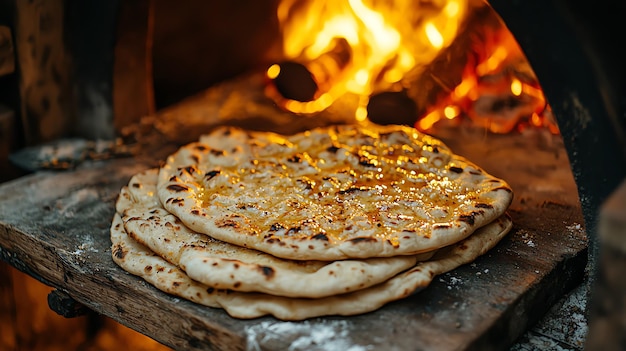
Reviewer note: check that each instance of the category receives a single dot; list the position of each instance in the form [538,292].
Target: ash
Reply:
[563,328]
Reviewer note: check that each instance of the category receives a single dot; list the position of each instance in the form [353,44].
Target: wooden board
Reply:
[55,227]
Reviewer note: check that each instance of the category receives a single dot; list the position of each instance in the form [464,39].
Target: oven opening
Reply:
[155,75]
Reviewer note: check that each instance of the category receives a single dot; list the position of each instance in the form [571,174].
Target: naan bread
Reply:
[140,261]
[226,266]
[352,191]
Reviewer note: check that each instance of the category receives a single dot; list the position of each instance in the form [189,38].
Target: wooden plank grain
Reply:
[55,226]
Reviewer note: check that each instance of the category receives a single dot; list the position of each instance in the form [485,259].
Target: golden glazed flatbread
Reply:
[139,260]
[226,266]
[352,191]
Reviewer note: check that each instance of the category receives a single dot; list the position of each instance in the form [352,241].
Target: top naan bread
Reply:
[350,191]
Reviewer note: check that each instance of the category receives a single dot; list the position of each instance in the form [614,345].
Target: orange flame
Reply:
[498,90]
[367,46]
[386,41]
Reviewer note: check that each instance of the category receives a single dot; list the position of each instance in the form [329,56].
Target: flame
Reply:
[367,46]
[498,89]
[385,41]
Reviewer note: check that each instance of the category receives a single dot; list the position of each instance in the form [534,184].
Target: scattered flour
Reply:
[86,246]
[527,238]
[454,281]
[331,335]
[575,228]
[68,206]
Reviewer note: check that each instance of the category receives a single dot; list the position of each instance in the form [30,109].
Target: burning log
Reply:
[482,76]
[356,47]
[478,73]
[293,81]
[493,86]
[392,108]
[303,87]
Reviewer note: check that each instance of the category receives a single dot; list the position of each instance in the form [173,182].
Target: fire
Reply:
[361,46]
[498,89]
[366,47]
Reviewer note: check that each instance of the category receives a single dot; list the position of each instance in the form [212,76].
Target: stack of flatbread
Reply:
[333,221]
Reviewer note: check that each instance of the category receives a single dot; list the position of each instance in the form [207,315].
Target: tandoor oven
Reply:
[532,91]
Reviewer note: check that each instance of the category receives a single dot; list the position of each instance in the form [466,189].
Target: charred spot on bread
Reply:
[268,272]
[364,239]
[320,236]
[272,240]
[333,148]
[191,170]
[297,158]
[177,187]
[293,230]
[119,252]
[276,227]
[351,190]
[227,223]
[366,162]
[456,169]
[211,174]
[468,218]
